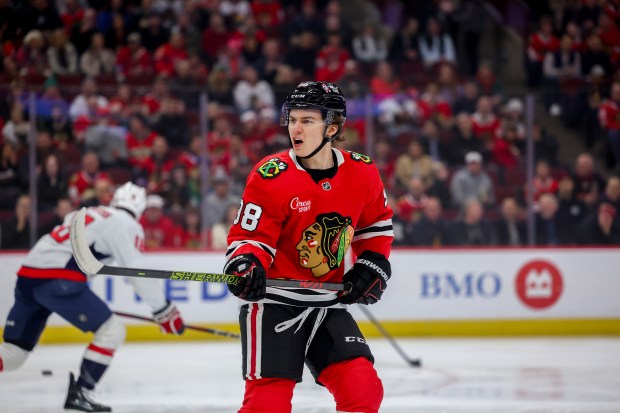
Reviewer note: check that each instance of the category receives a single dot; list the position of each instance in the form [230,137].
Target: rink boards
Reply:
[456,292]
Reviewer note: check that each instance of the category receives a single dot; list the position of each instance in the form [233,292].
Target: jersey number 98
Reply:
[251,213]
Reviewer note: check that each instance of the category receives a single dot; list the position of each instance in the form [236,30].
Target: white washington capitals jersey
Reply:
[112,234]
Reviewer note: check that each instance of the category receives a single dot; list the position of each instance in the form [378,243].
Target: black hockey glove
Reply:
[368,279]
[253,283]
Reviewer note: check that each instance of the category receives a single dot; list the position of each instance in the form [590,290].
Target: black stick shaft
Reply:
[209,330]
[390,339]
[214,277]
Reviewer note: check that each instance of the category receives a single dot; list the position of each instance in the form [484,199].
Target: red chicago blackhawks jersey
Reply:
[301,229]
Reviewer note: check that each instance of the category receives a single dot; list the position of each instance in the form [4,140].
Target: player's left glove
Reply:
[368,279]
[169,319]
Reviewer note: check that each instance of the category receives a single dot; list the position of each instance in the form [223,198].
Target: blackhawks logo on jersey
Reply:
[272,168]
[324,243]
[358,157]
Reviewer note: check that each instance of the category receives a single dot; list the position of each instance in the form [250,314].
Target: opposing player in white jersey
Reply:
[50,281]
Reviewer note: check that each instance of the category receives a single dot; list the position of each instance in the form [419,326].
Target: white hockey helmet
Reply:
[131,197]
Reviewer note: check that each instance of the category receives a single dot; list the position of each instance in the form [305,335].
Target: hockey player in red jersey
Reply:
[50,281]
[300,212]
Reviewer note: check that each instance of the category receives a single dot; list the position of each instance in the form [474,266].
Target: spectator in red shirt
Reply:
[411,205]
[134,60]
[159,230]
[269,12]
[72,15]
[191,235]
[543,182]
[169,53]
[331,59]
[159,91]
[384,82]
[159,165]
[214,38]
[609,118]
[140,139]
[539,44]
[485,123]
[31,57]
[84,179]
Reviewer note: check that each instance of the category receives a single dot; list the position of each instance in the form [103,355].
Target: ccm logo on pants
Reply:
[354,339]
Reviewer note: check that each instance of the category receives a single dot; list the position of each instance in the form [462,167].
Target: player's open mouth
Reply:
[297,142]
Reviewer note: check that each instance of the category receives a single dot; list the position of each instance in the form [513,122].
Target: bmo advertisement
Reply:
[431,292]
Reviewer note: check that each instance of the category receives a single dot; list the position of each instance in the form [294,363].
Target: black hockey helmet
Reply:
[323,96]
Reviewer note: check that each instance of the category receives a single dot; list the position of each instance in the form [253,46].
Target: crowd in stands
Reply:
[123,89]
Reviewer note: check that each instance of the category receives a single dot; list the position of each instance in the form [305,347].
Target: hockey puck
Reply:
[46,372]
[416,363]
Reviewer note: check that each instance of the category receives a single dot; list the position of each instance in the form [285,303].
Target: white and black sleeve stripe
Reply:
[378,229]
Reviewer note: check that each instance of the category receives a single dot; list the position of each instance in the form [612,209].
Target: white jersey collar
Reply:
[339,158]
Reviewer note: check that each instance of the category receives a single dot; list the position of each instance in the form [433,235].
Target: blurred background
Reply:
[491,122]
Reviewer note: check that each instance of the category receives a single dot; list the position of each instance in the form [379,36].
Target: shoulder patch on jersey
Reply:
[272,168]
[358,157]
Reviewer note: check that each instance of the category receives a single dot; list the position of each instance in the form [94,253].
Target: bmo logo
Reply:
[539,284]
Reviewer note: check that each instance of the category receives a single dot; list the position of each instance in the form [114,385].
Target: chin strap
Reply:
[326,139]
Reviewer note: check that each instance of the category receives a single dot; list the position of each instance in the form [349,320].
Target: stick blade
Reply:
[81,252]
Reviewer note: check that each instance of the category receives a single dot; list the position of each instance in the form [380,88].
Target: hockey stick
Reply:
[209,330]
[390,339]
[92,266]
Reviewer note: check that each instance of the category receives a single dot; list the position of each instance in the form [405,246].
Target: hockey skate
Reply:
[79,400]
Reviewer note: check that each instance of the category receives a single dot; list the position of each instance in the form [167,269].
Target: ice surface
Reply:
[554,375]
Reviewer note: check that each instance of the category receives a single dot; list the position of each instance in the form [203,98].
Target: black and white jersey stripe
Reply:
[378,229]
[237,244]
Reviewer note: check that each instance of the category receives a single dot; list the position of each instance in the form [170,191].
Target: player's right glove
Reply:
[253,283]
[368,279]
[169,319]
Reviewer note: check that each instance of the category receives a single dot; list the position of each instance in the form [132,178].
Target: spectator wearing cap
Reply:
[159,230]
[217,201]
[600,228]
[134,60]
[31,56]
[472,182]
